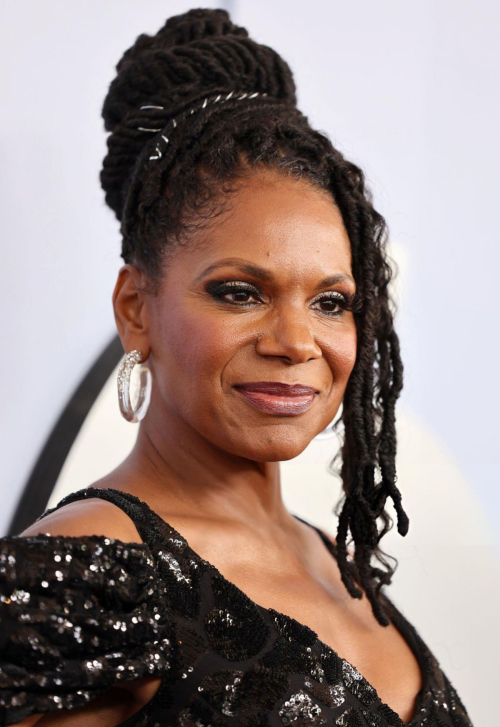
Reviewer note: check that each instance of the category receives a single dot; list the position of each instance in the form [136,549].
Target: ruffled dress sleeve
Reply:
[77,614]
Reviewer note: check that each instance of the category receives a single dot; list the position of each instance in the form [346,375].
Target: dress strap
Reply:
[326,540]
[131,506]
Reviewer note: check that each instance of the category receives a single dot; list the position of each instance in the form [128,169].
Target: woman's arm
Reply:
[110,708]
[112,548]
[30,721]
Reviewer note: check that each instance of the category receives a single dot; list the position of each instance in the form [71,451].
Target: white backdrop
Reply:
[409,90]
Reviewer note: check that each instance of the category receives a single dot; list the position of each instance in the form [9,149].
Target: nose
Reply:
[290,337]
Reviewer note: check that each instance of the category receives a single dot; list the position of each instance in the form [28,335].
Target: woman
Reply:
[177,589]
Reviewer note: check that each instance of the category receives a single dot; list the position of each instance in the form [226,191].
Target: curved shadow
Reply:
[49,464]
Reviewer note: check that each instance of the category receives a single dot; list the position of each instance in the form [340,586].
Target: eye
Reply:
[334,303]
[233,291]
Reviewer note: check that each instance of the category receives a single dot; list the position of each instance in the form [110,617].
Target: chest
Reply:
[382,654]
[235,644]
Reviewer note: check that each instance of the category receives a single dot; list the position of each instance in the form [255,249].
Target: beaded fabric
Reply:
[79,613]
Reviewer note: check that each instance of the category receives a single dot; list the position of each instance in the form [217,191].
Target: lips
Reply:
[276,397]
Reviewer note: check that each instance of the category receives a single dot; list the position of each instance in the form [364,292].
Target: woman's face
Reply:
[258,297]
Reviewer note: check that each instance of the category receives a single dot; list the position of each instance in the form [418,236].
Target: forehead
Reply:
[287,225]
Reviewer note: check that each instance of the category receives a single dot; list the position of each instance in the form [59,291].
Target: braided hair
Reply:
[171,167]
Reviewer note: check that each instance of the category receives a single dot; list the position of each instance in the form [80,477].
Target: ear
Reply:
[128,305]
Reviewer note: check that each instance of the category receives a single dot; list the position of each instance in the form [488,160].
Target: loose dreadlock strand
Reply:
[388,441]
[365,501]
[161,199]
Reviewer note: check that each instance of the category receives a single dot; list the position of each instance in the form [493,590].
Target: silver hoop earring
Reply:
[124,373]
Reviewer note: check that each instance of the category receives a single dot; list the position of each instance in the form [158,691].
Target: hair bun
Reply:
[192,53]
[200,23]
[183,29]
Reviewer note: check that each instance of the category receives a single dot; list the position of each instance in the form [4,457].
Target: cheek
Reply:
[193,349]
[341,353]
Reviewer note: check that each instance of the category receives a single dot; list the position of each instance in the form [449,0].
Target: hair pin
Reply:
[158,152]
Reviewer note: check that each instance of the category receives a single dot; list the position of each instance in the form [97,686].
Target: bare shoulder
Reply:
[91,516]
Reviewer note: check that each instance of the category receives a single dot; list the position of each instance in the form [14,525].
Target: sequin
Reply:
[292,630]
[255,720]
[350,718]
[357,684]
[50,629]
[234,626]
[235,692]
[190,647]
[174,566]
[78,615]
[294,657]
[299,709]
[333,695]
[199,714]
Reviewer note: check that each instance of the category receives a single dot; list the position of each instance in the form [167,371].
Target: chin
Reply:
[267,446]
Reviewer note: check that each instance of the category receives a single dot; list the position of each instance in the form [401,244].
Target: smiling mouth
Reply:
[278,398]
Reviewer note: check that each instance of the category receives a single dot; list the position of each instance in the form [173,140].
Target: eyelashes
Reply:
[241,291]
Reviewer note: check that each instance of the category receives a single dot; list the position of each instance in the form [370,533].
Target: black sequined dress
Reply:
[77,614]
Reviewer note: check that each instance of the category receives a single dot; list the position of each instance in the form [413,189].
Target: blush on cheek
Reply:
[342,355]
[195,349]
[348,356]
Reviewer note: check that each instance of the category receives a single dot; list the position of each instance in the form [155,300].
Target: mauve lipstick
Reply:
[278,398]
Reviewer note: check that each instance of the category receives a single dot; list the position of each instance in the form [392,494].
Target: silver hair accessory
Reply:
[173,123]
[124,373]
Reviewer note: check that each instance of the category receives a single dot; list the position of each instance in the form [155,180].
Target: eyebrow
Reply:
[262,274]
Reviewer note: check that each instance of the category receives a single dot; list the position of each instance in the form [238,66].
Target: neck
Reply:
[178,472]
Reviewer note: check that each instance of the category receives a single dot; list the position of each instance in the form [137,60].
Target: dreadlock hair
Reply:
[163,185]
